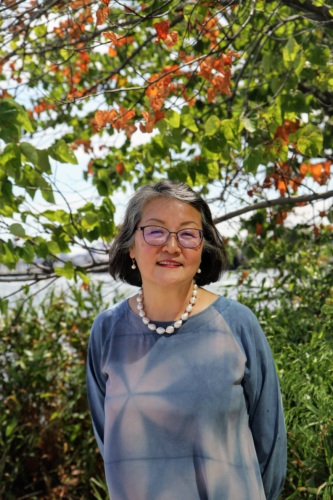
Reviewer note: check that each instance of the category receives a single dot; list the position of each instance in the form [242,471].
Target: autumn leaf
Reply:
[280,217]
[120,168]
[78,4]
[102,118]
[171,39]
[283,131]
[102,15]
[162,30]
[151,120]
[72,94]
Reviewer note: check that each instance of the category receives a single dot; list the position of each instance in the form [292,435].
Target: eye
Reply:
[188,234]
[155,231]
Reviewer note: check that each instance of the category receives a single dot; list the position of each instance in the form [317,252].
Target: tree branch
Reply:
[276,202]
[320,14]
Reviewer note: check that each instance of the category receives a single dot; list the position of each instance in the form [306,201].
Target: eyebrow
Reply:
[159,221]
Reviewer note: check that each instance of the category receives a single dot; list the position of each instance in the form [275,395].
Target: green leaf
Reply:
[290,51]
[48,195]
[43,161]
[67,271]
[212,125]
[29,152]
[319,55]
[252,161]
[248,124]
[310,141]
[84,277]
[189,123]
[60,151]
[173,119]
[17,230]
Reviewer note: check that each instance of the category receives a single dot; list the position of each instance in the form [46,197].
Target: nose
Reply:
[172,244]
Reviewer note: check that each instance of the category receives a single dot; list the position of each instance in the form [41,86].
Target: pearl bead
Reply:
[177,324]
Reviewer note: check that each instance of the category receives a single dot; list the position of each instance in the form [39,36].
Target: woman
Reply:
[182,388]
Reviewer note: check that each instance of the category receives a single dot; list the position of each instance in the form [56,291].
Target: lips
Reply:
[169,263]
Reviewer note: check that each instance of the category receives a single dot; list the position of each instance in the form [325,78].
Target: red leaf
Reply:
[162,29]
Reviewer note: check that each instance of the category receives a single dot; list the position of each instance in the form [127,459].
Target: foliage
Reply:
[48,448]
[234,98]
[295,307]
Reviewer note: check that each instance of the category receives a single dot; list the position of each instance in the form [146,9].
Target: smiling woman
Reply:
[178,377]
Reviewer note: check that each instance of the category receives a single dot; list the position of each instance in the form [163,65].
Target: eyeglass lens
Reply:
[156,235]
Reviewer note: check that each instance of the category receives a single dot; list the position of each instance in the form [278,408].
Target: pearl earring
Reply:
[133,266]
[199,271]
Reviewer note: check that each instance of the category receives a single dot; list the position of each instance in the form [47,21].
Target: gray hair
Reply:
[214,257]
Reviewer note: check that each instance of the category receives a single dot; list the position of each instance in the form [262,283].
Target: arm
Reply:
[262,391]
[263,397]
[96,382]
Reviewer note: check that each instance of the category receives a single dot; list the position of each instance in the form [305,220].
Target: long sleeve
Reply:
[96,381]
[262,392]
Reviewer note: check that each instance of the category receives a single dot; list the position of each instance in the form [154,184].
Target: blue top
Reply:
[195,415]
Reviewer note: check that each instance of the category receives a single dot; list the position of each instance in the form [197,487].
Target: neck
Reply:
[166,304]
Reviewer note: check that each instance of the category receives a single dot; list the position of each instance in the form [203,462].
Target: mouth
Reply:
[168,263]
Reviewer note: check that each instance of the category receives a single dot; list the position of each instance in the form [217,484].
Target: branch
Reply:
[276,202]
[321,14]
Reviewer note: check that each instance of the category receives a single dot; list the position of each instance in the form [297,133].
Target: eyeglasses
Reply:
[158,235]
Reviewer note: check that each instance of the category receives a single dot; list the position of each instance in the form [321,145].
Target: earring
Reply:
[133,266]
[199,271]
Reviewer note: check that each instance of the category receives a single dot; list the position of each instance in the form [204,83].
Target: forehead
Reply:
[165,210]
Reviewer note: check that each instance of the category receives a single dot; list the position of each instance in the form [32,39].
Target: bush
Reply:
[49,450]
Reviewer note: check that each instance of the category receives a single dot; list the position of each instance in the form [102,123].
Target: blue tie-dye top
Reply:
[192,415]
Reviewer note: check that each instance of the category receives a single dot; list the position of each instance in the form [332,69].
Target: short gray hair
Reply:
[214,257]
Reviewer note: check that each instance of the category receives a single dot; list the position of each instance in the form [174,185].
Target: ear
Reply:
[132,252]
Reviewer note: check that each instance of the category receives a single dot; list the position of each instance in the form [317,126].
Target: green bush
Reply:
[48,448]
[295,308]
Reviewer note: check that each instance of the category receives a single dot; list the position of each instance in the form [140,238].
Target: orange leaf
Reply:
[111,36]
[77,4]
[112,52]
[259,229]
[102,15]
[281,216]
[130,128]
[282,187]
[120,168]
[171,39]
[211,93]
[162,29]
[72,94]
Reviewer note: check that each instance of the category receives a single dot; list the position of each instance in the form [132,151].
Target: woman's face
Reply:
[168,264]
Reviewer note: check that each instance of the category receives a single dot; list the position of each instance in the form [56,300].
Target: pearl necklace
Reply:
[177,324]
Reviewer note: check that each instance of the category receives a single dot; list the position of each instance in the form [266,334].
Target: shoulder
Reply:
[243,324]
[234,312]
[107,320]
